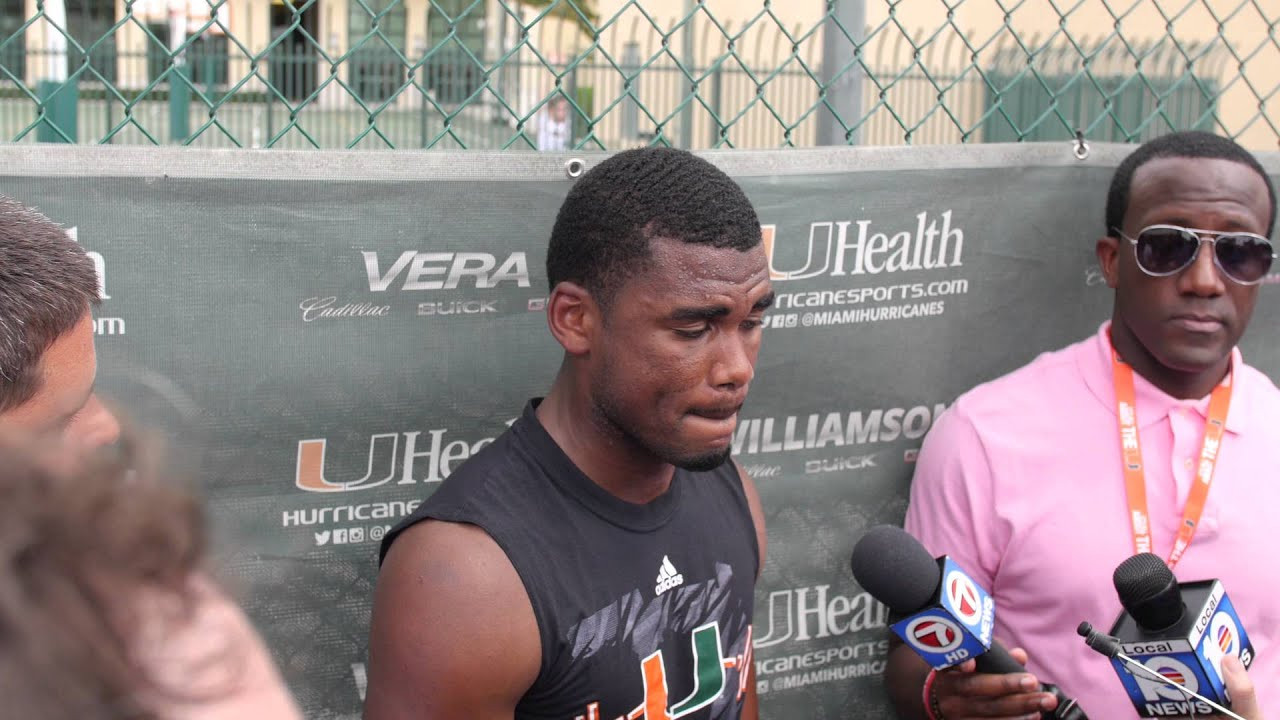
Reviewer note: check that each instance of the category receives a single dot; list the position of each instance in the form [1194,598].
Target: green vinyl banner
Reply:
[326,336]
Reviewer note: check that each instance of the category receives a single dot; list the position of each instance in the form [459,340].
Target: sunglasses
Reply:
[1163,250]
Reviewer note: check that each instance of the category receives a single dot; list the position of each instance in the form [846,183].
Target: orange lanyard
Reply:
[1135,477]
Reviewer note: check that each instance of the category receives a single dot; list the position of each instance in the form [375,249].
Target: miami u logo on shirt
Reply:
[709,665]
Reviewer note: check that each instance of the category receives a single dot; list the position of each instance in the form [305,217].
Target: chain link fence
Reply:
[562,74]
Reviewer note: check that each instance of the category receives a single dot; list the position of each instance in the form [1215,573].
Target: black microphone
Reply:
[897,570]
[1149,592]
[1108,645]
[1180,630]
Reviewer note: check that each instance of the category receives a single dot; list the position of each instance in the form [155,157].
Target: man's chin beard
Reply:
[702,463]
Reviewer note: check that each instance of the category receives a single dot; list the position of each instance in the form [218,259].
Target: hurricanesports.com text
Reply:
[789,672]
[831,307]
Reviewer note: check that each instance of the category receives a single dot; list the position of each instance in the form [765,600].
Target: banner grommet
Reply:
[1080,148]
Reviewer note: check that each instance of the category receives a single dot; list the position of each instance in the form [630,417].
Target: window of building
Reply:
[13,50]
[292,61]
[89,23]
[205,57]
[455,30]
[377,42]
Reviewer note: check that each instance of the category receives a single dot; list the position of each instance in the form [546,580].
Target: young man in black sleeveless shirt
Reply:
[597,561]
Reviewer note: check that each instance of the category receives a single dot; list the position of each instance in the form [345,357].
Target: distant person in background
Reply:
[105,610]
[554,126]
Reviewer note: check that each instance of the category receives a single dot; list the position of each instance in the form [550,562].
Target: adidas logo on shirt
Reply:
[668,577]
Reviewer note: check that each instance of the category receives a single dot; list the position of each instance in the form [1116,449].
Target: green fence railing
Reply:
[484,74]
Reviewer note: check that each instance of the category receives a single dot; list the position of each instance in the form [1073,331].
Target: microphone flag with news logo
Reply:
[1182,631]
[948,618]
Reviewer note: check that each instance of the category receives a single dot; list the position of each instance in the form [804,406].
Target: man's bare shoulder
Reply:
[453,631]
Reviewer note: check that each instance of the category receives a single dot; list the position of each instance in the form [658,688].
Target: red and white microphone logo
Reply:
[962,595]
[933,634]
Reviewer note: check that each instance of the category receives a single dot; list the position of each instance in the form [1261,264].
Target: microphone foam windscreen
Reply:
[896,569]
[1148,590]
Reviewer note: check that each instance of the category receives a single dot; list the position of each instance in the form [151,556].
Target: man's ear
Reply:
[1108,250]
[573,317]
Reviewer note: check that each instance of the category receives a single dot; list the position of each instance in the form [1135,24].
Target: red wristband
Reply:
[931,709]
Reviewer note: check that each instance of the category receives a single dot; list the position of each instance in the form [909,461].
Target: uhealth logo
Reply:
[310,467]
[422,457]
[836,249]
[99,264]
[101,325]
[934,634]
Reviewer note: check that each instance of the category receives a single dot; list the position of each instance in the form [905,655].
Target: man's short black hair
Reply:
[1184,144]
[602,232]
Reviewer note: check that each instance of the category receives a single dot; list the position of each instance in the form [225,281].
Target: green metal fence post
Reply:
[569,88]
[717,115]
[631,106]
[58,96]
[689,59]
[59,101]
[423,118]
[268,100]
[424,115]
[842,30]
[179,103]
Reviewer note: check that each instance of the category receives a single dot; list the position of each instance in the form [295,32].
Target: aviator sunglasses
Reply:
[1163,250]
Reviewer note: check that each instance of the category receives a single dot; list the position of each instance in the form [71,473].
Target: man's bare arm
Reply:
[453,633]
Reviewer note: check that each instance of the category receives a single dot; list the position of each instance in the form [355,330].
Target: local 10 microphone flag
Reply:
[957,626]
[1190,653]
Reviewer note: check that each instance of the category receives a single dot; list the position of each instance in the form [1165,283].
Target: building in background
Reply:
[476,73]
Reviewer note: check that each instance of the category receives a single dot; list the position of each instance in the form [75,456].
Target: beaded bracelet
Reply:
[930,700]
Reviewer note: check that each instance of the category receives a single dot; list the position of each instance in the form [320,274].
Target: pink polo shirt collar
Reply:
[1154,405]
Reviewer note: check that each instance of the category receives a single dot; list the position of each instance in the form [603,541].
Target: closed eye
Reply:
[693,334]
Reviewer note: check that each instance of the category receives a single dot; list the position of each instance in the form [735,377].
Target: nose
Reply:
[99,426]
[735,363]
[1202,276]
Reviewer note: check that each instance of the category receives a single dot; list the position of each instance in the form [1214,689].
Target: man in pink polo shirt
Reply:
[1023,481]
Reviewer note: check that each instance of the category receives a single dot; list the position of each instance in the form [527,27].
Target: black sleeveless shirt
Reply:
[644,611]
